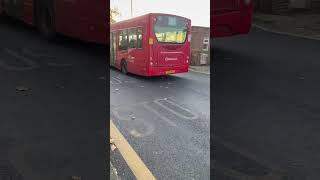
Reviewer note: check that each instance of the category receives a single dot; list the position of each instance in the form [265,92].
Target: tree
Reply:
[114,12]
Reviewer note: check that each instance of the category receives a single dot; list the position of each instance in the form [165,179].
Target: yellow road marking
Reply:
[134,162]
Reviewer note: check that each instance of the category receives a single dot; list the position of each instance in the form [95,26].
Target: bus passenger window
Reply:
[132,38]
[123,40]
[139,33]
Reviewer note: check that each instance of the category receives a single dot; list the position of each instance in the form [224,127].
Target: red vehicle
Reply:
[151,45]
[84,20]
[231,17]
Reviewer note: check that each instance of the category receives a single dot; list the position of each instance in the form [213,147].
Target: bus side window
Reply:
[132,38]
[139,41]
[123,40]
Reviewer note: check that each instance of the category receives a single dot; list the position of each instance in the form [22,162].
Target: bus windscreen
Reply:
[171,29]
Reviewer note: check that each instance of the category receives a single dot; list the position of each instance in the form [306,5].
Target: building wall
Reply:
[199,34]
[299,4]
[283,6]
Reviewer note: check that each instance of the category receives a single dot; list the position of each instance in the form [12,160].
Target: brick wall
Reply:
[197,38]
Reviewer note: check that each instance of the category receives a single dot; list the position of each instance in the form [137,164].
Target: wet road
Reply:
[166,120]
[266,94]
[52,107]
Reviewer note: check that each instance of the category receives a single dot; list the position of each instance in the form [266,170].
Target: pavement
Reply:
[52,106]
[266,107]
[306,24]
[205,69]
[113,173]
[166,120]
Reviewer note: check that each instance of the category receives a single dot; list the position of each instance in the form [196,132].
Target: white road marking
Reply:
[40,55]
[30,63]
[35,54]
[194,116]
[116,81]
[171,123]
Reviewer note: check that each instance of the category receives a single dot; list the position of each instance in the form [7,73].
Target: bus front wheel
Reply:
[124,69]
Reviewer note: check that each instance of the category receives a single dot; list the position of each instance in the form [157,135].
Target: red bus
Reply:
[231,17]
[84,20]
[151,45]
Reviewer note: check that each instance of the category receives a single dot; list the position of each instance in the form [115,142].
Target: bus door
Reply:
[122,51]
[113,49]
[136,54]
[171,36]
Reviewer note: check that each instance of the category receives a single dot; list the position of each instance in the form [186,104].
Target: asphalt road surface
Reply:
[167,122]
[52,107]
[267,107]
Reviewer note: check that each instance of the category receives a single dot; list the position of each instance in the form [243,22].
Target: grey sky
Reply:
[198,11]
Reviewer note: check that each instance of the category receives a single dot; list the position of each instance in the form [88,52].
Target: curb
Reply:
[284,33]
[134,162]
[199,71]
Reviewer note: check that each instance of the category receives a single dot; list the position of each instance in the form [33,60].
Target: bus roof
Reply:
[143,17]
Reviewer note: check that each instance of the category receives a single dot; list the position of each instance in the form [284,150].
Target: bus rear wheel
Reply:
[46,25]
[124,69]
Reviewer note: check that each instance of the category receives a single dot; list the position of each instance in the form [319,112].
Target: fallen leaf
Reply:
[113,147]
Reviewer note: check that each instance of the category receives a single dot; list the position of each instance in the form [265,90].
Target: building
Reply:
[200,46]
[283,6]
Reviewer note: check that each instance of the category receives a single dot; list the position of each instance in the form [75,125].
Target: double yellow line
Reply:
[134,162]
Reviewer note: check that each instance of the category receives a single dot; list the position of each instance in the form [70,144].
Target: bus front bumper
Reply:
[160,71]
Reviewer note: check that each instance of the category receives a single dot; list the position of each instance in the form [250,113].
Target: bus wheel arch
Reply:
[124,66]
[45,19]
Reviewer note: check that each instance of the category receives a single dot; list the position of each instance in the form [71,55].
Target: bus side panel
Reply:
[65,12]
[13,8]
[232,22]
[94,21]
[141,56]
[82,19]
[28,12]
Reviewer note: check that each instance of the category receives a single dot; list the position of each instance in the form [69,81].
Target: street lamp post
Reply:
[131,7]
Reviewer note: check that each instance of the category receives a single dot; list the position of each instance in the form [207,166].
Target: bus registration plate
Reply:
[170,72]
